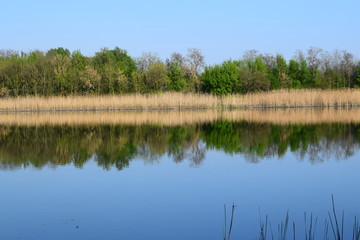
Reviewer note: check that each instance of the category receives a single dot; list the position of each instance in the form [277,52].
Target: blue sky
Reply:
[221,29]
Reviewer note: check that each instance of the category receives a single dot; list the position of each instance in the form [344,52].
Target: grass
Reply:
[172,118]
[344,98]
[337,227]
[227,233]
[337,231]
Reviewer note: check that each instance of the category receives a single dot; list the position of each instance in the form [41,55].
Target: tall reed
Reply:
[336,225]
[344,98]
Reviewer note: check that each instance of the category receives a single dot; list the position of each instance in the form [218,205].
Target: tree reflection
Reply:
[117,145]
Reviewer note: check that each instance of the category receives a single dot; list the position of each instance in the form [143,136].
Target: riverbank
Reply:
[344,98]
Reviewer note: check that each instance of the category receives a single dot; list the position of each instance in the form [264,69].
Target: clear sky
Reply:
[221,29]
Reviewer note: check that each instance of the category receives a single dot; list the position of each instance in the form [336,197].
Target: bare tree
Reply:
[269,60]
[313,57]
[325,61]
[7,53]
[146,60]
[299,56]
[336,60]
[347,66]
[250,55]
[178,58]
[196,59]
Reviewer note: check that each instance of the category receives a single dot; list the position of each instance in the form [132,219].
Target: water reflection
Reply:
[117,145]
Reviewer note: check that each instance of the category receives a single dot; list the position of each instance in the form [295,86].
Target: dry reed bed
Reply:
[110,102]
[274,99]
[172,118]
[297,99]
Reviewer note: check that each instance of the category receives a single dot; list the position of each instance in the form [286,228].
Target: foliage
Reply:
[156,78]
[221,79]
[113,71]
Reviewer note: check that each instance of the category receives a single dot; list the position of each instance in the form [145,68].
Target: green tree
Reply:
[61,66]
[78,64]
[221,79]
[156,79]
[137,83]
[58,51]
[178,80]
[305,76]
[13,76]
[114,66]
[294,73]
[356,76]
[254,76]
[281,73]
[89,81]
[118,57]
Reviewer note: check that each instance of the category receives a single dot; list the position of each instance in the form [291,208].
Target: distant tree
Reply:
[156,78]
[356,76]
[58,51]
[78,60]
[178,58]
[61,64]
[196,65]
[42,79]
[179,73]
[250,55]
[78,64]
[146,59]
[32,76]
[347,67]
[304,76]
[114,66]
[178,80]
[196,59]
[314,63]
[259,65]
[299,56]
[281,74]
[8,53]
[118,57]
[269,60]
[221,79]
[113,79]
[137,83]
[121,83]
[14,76]
[294,73]
[254,75]
[59,72]
[89,81]
[313,57]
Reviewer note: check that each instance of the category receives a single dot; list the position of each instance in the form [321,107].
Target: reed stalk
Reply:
[342,98]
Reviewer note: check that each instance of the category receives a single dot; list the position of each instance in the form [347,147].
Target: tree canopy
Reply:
[113,71]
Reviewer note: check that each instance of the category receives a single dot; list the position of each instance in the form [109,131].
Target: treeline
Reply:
[61,72]
[117,145]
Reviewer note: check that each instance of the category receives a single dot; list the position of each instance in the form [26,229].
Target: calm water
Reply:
[161,182]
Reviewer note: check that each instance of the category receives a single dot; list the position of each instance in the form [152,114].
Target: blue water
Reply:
[168,200]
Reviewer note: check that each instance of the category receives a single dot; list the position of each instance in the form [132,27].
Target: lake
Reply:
[169,176]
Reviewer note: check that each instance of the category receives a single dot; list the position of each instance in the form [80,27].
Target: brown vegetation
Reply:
[345,98]
[276,116]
